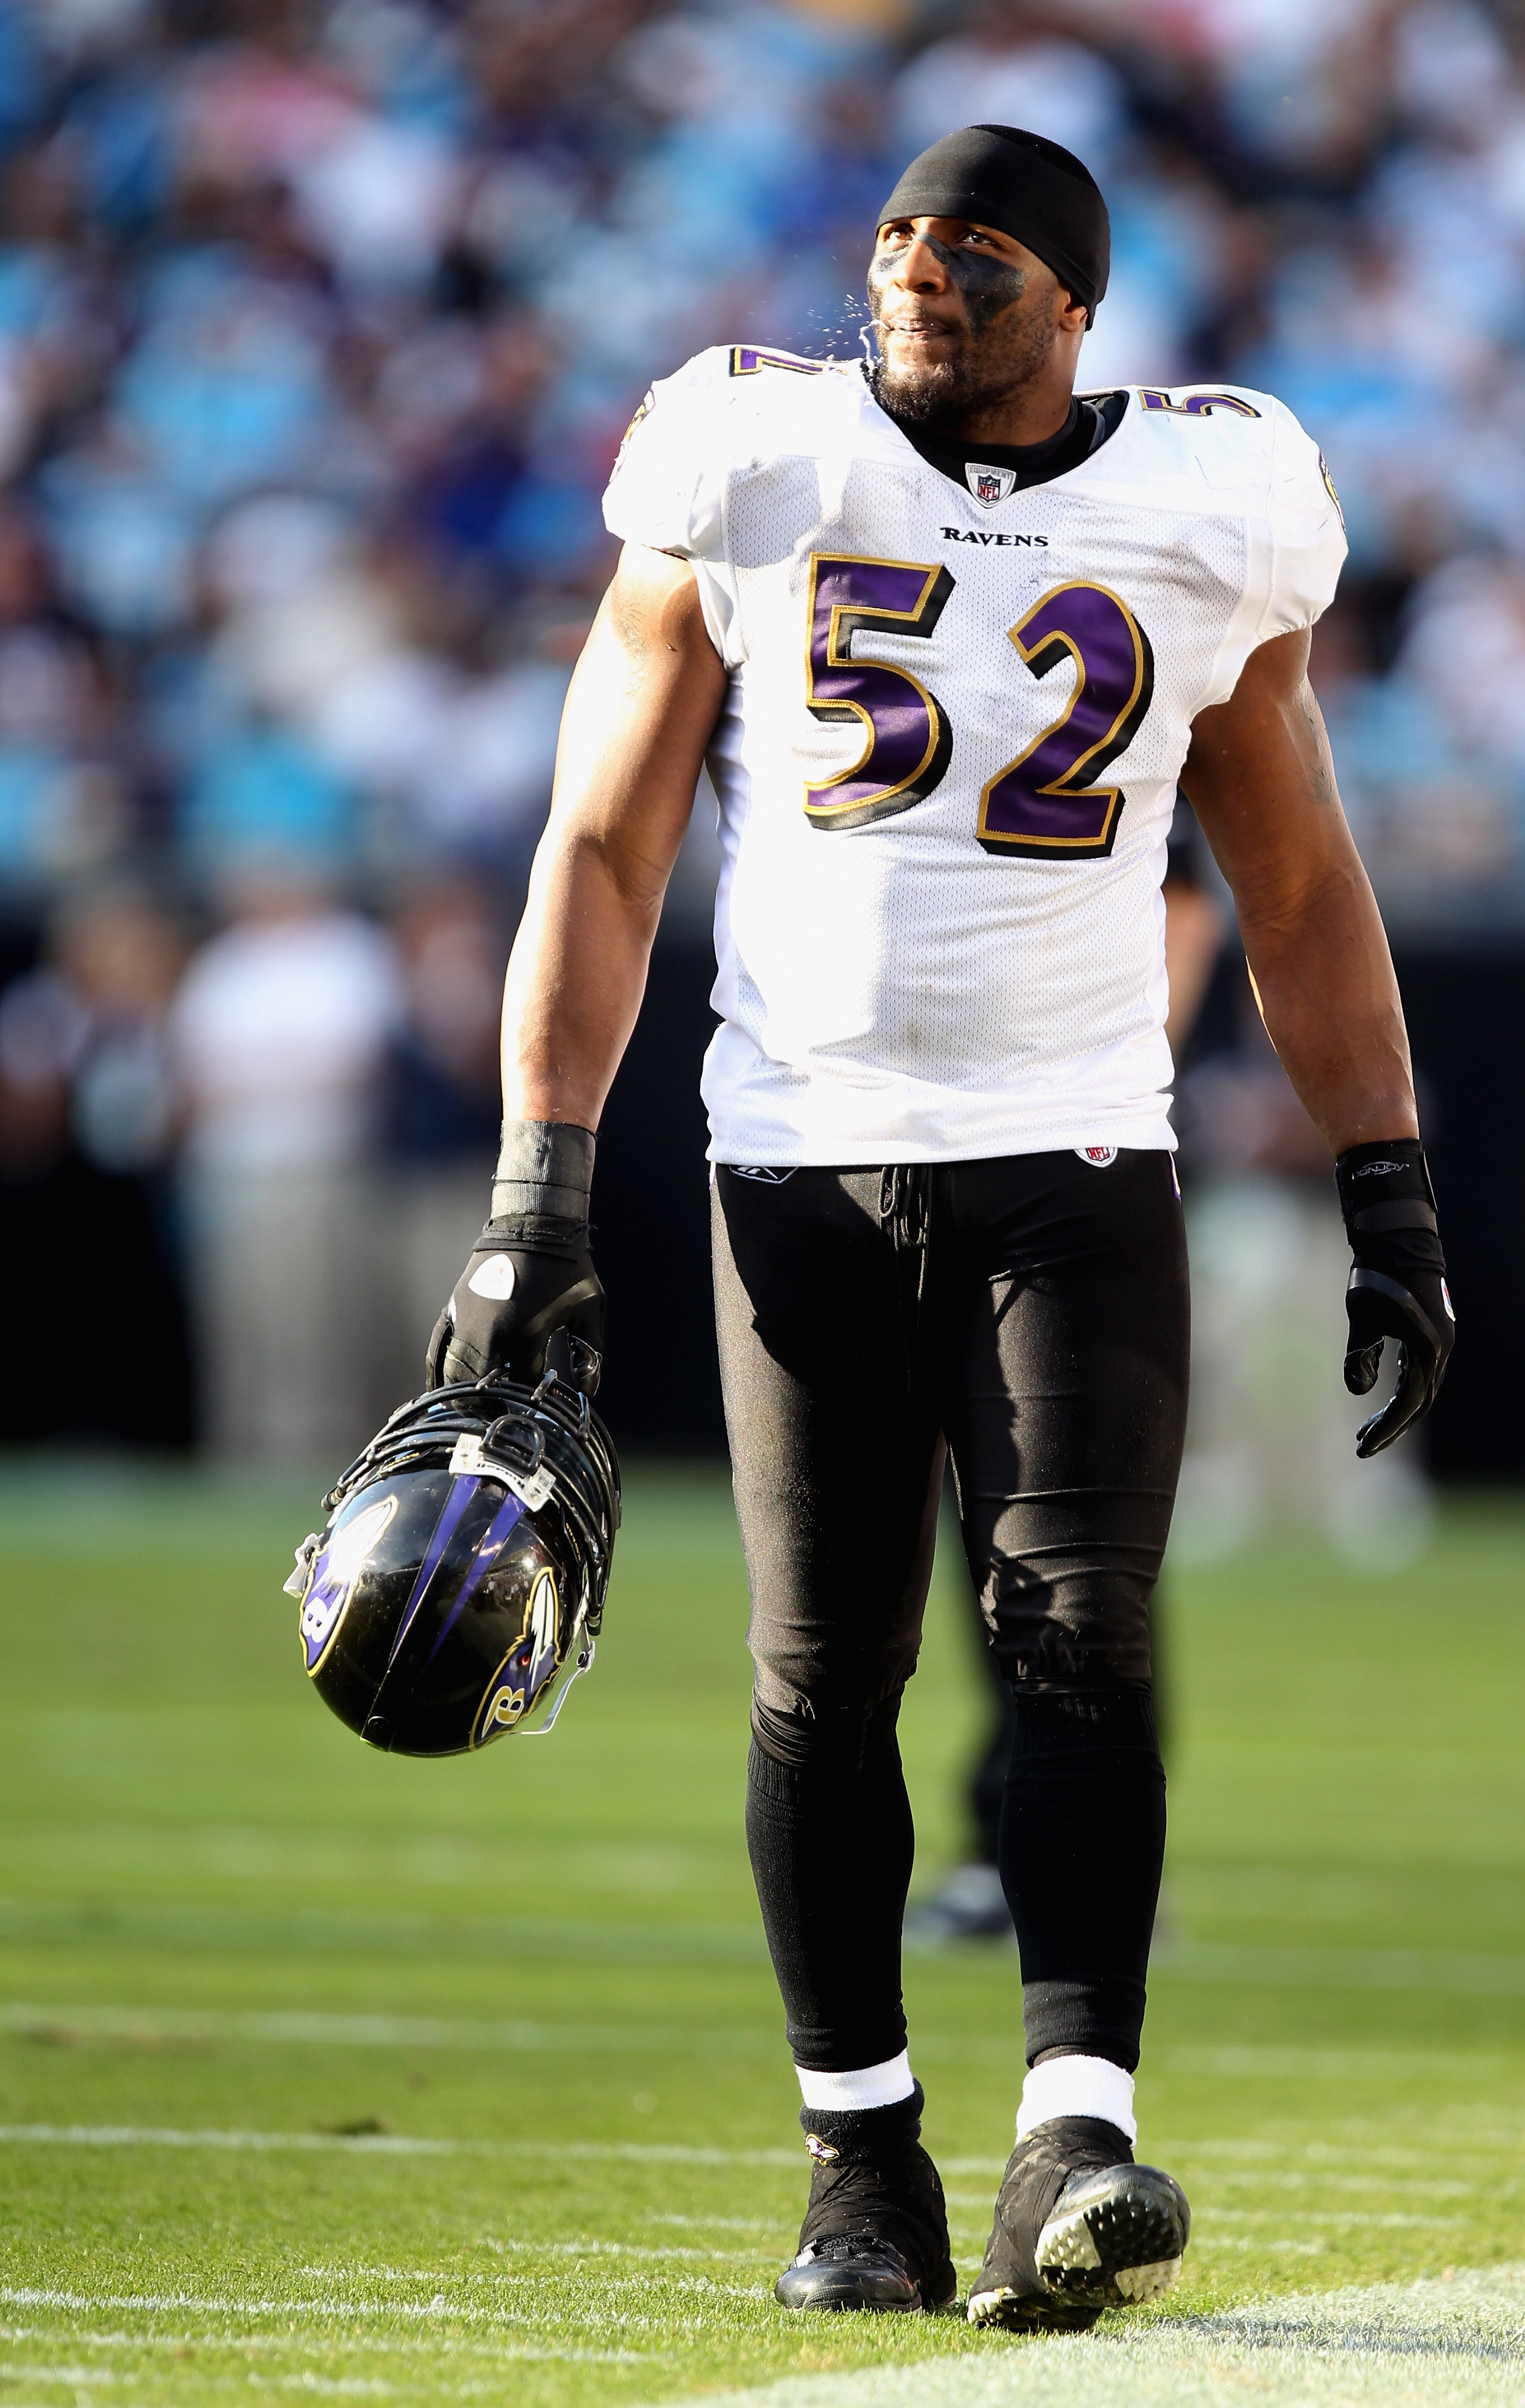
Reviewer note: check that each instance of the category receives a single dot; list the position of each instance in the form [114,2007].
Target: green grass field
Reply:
[333,2073]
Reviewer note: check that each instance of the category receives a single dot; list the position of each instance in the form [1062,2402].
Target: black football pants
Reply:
[1030,1313]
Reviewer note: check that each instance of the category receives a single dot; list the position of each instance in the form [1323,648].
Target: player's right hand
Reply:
[1397,1286]
[526,1277]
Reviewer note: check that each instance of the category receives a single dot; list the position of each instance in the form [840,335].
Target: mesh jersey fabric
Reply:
[891,989]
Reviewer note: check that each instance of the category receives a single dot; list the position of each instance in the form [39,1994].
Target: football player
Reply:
[948,635]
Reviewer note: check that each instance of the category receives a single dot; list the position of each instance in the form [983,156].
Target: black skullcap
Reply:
[1024,185]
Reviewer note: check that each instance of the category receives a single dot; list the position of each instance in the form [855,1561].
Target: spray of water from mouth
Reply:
[825,334]
[857,323]
[868,328]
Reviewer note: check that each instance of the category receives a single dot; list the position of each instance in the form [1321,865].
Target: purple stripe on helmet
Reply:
[488,1548]
[462,1490]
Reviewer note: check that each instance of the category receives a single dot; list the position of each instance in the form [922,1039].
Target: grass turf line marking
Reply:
[1426,2344]
[725,2223]
[1244,2156]
[323,1932]
[438,2345]
[67,2027]
[1330,2064]
[127,2136]
[517,2245]
[672,2153]
[1341,2217]
[1339,1969]
[1264,2247]
[55,2374]
[150,2303]
[1320,2178]
[67,2024]
[394,2144]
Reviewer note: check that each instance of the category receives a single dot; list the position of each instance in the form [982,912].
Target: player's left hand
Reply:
[1397,1286]
[527,1277]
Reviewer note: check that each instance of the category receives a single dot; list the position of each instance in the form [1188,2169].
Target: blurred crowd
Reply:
[319,321]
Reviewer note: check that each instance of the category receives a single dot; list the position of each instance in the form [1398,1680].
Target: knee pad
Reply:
[829,1747]
[1078,1625]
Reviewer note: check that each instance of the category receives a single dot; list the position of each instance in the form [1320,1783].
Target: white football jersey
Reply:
[947,763]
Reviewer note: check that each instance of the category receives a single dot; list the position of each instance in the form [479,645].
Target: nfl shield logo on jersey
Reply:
[988,485]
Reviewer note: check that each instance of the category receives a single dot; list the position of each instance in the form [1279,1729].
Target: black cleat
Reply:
[875,2233]
[1079,2228]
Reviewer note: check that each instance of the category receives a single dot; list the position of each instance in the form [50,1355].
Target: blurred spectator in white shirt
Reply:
[280,1031]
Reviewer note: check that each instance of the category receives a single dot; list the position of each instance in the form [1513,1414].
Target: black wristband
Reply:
[1384,1186]
[538,1233]
[544,1169]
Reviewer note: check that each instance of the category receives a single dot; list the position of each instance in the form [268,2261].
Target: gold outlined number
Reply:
[1048,802]
[908,742]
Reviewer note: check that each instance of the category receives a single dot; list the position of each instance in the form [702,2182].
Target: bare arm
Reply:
[1261,783]
[643,701]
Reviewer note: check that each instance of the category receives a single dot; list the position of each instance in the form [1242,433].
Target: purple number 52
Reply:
[908,739]
[1047,802]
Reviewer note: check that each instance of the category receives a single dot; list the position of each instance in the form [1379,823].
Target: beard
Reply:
[993,362]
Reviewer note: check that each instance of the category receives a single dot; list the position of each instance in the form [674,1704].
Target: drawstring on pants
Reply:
[905,1191]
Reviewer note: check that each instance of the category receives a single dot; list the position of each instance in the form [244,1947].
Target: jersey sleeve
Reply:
[667,488]
[1307,531]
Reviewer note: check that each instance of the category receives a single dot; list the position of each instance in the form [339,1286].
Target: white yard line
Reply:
[340,2307]
[307,2030]
[1319,2168]
[146,2025]
[434,2347]
[1236,2064]
[1427,2344]
[152,2136]
[330,1932]
[327,1932]
[1340,1968]
[383,2145]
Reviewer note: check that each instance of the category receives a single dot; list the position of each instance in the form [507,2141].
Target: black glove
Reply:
[530,1271]
[1397,1284]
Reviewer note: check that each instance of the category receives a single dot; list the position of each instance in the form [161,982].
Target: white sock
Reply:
[1075,2086]
[869,2086]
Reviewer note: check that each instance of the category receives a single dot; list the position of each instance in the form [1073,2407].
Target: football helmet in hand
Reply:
[458,1586]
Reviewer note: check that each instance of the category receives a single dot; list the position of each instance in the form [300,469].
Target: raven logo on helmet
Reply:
[528,1666]
[326,1572]
[459,1586]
